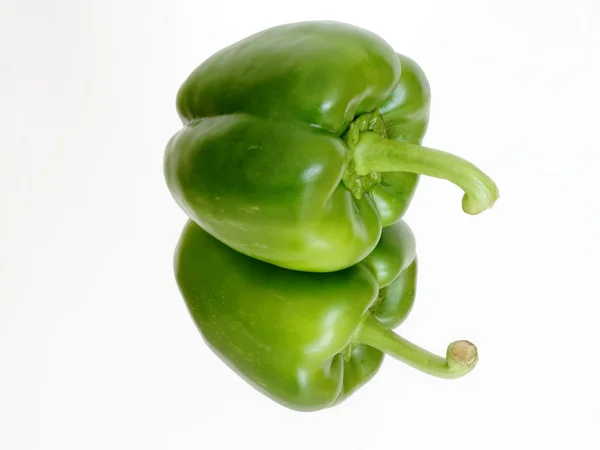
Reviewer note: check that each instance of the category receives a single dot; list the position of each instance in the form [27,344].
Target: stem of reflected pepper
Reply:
[461,356]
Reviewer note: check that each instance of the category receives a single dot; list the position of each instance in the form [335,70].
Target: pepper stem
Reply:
[461,356]
[374,153]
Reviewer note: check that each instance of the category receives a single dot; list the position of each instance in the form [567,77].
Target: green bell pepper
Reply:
[307,340]
[301,142]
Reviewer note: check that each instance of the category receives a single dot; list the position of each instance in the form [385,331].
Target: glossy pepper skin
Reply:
[301,143]
[307,340]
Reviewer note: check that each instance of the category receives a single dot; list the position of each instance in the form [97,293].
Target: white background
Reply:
[97,350]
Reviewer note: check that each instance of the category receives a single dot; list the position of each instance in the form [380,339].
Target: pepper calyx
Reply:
[357,184]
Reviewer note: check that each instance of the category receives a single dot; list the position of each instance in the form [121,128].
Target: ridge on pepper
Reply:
[301,143]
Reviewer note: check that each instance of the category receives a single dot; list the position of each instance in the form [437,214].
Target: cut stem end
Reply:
[462,355]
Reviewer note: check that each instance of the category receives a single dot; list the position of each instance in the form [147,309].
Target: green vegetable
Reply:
[307,340]
[302,142]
